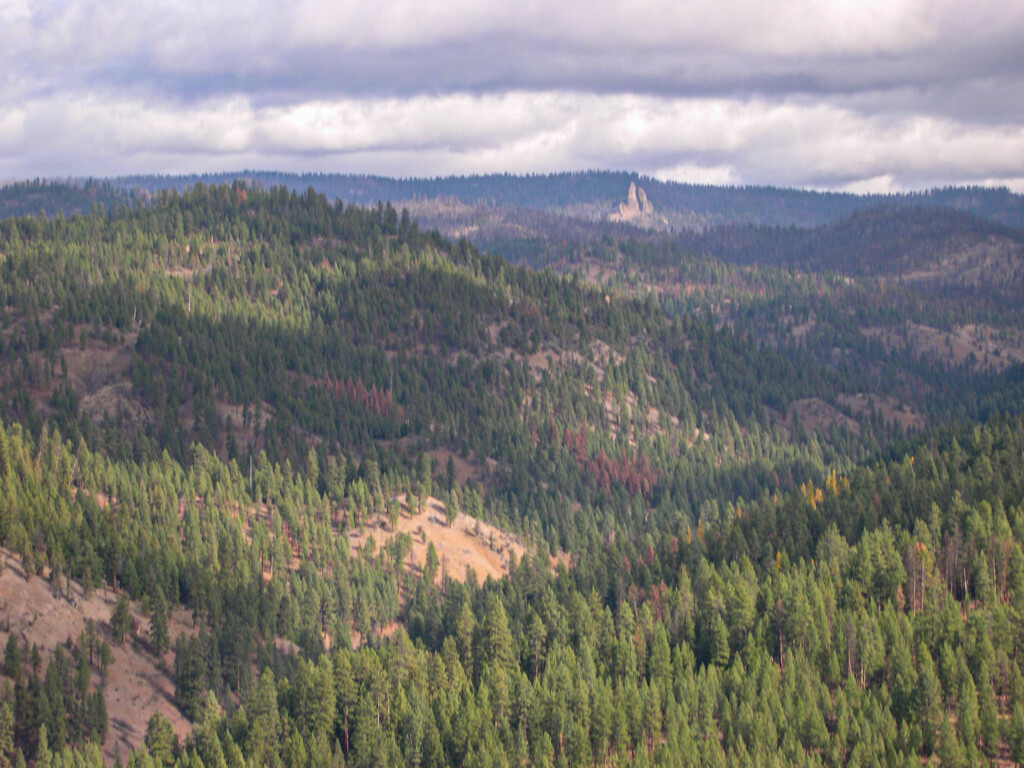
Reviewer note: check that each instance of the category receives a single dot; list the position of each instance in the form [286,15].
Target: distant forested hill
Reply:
[889,239]
[50,197]
[594,194]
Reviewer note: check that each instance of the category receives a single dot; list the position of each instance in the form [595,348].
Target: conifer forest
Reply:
[503,483]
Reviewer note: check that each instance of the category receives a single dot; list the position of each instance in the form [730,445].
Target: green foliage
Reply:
[121,619]
[752,597]
[159,637]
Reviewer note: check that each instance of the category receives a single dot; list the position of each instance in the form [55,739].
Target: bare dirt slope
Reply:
[468,543]
[890,409]
[137,685]
[464,469]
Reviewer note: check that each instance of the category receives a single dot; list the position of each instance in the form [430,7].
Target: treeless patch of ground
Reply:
[468,543]
[494,329]
[816,415]
[98,363]
[113,399]
[890,410]
[138,684]
[464,470]
[562,558]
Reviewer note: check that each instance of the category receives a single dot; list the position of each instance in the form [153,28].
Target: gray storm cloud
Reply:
[826,93]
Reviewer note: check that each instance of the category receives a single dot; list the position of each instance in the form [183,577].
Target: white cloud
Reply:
[700,140]
[12,11]
[876,185]
[688,173]
[836,93]
[662,45]
[456,120]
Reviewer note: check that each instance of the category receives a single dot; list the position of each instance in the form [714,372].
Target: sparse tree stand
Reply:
[121,619]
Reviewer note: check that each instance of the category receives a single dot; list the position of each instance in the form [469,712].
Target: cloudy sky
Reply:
[845,94]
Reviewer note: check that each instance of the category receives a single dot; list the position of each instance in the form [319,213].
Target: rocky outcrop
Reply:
[636,209]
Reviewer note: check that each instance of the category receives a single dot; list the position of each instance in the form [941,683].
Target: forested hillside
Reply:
[886,240]
[740,525]
[909,304]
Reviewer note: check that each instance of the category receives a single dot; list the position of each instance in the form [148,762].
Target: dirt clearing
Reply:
[468,543]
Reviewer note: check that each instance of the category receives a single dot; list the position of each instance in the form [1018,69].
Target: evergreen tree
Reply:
[988,720]
[928,704]
[158,631]
[951,752]
[161,742]
[967,723]
[121,619]
[1015,734]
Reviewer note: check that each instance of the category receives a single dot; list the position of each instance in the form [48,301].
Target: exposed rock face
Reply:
[637,209]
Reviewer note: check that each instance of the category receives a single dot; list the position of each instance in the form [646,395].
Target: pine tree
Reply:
[465,627]
[13,659]
[346,693]
[158,631]
[44,757]
[951,752]
[536,635]
[314,697]
[988,721]
[719,642]
[262,739]
[161,741]
[498,643]
[928,704]
[121,619]
[432,563]
[106,658]
[450,474]
[451,509]
[967,712]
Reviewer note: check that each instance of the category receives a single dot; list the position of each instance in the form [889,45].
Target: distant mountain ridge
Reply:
[591,194]
[962,236]
[594,196]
